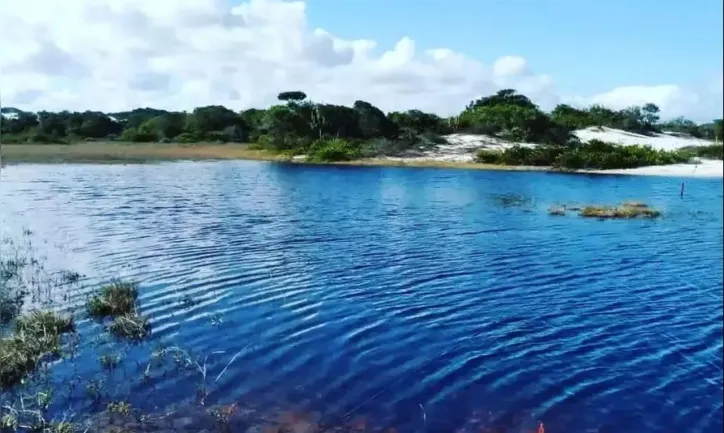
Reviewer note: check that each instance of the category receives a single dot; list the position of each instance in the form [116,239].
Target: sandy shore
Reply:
[706,169]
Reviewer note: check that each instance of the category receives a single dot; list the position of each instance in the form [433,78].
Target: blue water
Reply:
[422,295]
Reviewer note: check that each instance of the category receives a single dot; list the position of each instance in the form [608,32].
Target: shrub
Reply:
[714,151]
[519,155]
[333,150]
[595,154]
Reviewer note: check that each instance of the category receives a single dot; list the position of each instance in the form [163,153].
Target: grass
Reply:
[618,212]
[131,326]
[35,336]
[119,301]
[626,210]
[113,300]
[113,152]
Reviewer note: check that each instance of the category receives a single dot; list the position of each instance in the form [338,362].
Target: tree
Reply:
[212,118]
[650,115]
[503,97]
[571,118]
[293,96]
[718,129]
[373,122]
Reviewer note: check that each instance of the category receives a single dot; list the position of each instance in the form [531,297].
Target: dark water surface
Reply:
[404,289]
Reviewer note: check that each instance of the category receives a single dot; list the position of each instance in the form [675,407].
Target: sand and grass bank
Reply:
[102,152]
[120,153]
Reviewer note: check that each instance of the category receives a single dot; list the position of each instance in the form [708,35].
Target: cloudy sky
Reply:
[398,54]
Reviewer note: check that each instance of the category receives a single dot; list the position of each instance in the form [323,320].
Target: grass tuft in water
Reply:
[131,326]
[36,336]
[624,211]
[114,300]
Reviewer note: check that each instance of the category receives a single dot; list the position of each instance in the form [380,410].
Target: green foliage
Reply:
[119,407]
[130,326]
[115,299]
[296,96]
[294,125]
[118,301]
[595,154]
[519,155]
[715,151]
[333,150]
[34,337]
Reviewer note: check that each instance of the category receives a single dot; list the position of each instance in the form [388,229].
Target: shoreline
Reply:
[149,153]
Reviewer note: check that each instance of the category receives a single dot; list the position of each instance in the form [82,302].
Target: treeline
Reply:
[324,131]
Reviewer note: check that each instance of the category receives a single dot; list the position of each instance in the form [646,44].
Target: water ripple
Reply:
[406,287]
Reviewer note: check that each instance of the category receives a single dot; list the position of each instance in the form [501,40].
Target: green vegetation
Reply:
[119,301]
[626,210]
[130,326]
[35,337]
[595,154]
[114,300]
[326,132]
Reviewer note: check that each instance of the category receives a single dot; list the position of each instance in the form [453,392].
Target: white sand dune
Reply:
[462,148]
[708,168]
[666,141]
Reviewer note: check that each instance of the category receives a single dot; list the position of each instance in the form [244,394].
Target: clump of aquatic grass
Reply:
[8,423]
[35,336]
[44,323]
[119,301]
[119,407]
[114,300]
[131,326]
[624,211]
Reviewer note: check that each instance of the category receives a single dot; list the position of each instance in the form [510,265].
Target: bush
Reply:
[595,154]
[333,150]
[519,155]
[714,151]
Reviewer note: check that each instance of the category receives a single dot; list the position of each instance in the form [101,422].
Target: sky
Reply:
[433,55]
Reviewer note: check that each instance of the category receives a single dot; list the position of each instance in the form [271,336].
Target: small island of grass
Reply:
[625,210]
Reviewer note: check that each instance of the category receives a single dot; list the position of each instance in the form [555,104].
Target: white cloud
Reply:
[179,54]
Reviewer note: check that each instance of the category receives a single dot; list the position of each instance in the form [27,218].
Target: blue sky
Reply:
[587,46]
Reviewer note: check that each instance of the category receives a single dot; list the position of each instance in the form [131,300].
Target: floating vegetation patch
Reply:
[626,210]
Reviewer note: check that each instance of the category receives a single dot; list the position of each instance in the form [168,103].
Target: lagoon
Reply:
[414,296]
